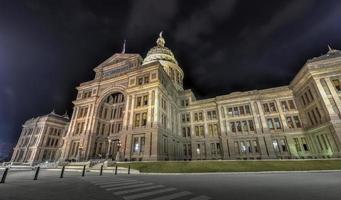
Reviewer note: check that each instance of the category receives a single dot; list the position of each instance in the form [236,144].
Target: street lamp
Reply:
[118,150]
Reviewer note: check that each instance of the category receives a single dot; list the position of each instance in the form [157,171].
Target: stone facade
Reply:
[136,109]
[41,139]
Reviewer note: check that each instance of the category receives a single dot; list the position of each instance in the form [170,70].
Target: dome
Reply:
[160,53]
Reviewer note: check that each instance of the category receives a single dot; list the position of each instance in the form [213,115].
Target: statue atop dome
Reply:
[160,41]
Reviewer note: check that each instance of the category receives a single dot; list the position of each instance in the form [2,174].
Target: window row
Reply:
[138,144]
[245,147]
[52,142]
[301,145]
[79,128]
[82,112]
[288,105]
[242,126]
[274,123]
[239,111]
[293,122]
[143,80]
[141,101]
[270,107]
[116,113]
[280,145]
[307,97]
[314,116]
[55,131]
[323,141]
[140,119]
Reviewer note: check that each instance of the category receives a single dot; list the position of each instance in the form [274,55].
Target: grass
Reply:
[233,166]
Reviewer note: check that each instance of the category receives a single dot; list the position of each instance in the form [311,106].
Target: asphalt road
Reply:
[296,185]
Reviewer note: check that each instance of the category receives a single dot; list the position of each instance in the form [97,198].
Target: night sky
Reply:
[47,48]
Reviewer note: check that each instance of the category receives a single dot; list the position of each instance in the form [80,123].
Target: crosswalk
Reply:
[130,189]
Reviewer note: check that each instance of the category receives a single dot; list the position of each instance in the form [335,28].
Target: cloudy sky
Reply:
[48,47]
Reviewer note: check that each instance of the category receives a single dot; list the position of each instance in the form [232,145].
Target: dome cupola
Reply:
[165,57]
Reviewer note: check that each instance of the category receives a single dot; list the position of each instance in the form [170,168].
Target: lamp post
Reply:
[79,153]
[118,151]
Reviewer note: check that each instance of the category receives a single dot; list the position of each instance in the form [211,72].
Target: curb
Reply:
[241,173]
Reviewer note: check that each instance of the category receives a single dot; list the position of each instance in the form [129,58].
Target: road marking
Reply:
[138,189]
[201,198]
[114,182]
[147,194]
[121,184]
[129,186]
[173,196]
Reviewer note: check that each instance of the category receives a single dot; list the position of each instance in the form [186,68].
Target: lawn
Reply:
[233,166]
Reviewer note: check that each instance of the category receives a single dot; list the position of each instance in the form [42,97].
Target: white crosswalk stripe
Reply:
[129,186]
[116,182]
[113,182]
[121,184]
[130,189]
[147,194]
[201,198]
[138,189]
[173,196]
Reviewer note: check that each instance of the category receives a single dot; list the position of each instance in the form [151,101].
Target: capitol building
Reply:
[136,109]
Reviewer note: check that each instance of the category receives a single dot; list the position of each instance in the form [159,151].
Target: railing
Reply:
[62,172]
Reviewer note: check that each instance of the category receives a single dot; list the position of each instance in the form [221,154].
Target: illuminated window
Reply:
[275,145]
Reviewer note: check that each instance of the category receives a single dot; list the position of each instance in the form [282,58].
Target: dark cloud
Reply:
[150,16]
[203,21]
[48,47]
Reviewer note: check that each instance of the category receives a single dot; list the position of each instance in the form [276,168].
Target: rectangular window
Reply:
[270,124]
[138,101]
[251,125]
[310,95]
[137,120]
[202,131]
[303,100]
[196,130]
[290,122]
[196,117]
[200,116]
[292,105]
[184,132]
[283,145]
[136,147]
[247,109]
[245,126]
[275,145]
[304,144]
[277,123]
[235,111]
[284,106]
[229,112]
[297,145]
[144,119]
[241,110]
[140,81]
[337,85]
[255,146]
[297,122]
[143,141]
[145,100]
[233,127]
[273,107]
[239,126]
[266,108]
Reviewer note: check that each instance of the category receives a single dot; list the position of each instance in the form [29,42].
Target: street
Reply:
[294,185]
